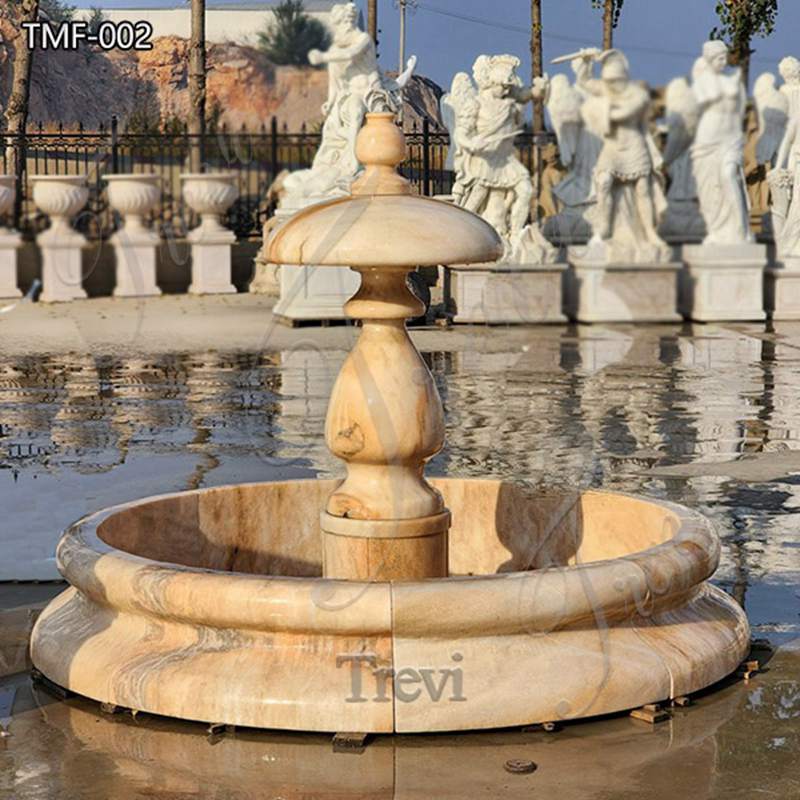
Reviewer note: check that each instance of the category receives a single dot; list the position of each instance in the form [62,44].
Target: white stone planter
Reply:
[61,197]
[134,196]
[9,241]
[210,195]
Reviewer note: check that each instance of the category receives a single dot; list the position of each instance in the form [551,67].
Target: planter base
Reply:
[136,265]
[211,264]
[9,242]
[62,267]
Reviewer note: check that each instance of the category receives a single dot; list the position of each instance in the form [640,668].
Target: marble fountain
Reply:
[387,602]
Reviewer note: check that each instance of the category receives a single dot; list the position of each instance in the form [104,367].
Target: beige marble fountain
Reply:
[387,602]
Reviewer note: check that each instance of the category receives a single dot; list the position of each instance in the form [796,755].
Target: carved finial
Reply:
[381,148]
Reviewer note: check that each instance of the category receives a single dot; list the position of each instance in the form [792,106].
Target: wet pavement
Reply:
[737,742]
[708,416]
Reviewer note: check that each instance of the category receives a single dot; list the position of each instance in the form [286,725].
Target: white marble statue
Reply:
[579,143]
[484,118]
[355,85]
[717,151]
[630,200]
[682,221]
[779,146]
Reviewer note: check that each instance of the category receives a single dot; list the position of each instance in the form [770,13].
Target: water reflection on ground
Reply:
[706,416]
[739,741]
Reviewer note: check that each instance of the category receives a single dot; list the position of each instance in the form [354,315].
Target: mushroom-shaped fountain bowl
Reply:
[384,601]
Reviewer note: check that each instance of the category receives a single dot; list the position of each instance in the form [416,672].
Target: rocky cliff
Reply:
[244,88]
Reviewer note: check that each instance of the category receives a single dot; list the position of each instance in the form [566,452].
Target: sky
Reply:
[660,37]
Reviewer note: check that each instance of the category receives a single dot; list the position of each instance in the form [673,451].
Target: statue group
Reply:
[621,203]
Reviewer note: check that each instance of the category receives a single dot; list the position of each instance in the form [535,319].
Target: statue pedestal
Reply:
[314,293]
[782,289]
[308,293]
[9,242]
[599,291]
[723,282]
[211,261]
[136,264]
[62,264]
[507,293]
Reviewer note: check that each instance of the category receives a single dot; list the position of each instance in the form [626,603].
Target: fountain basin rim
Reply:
[654,579]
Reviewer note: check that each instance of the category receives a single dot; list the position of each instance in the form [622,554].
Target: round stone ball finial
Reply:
[381,148]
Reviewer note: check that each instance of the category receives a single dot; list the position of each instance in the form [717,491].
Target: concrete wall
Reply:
[222,25]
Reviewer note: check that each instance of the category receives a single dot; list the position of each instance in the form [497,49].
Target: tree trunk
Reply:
[536,61]
[744,65]
[608,25]
[197,87]
[372,20]
[18,102]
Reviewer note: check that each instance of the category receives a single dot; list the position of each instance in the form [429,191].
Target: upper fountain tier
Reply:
[382,224]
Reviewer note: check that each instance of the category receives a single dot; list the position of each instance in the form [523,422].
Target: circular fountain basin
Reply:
[210,605]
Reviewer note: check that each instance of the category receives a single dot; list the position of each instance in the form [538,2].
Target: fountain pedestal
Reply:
[385,419]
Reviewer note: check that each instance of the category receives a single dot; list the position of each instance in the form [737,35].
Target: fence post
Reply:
[20,169]
[426,158]
[114,144]
[273,141]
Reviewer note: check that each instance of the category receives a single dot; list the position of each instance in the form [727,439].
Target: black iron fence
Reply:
[257,157]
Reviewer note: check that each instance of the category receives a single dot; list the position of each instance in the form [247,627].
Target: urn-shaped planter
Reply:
[61,197]
[9,240]
[134,196]
[210,195]
[8,191]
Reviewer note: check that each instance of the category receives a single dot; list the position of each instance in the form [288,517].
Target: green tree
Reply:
[740,22]
[57,10]
[288,38]
[611,11]
[96,19]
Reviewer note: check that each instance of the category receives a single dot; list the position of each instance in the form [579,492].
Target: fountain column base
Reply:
[384,550]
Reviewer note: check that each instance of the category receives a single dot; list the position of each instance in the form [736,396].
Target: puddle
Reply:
[624,409]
